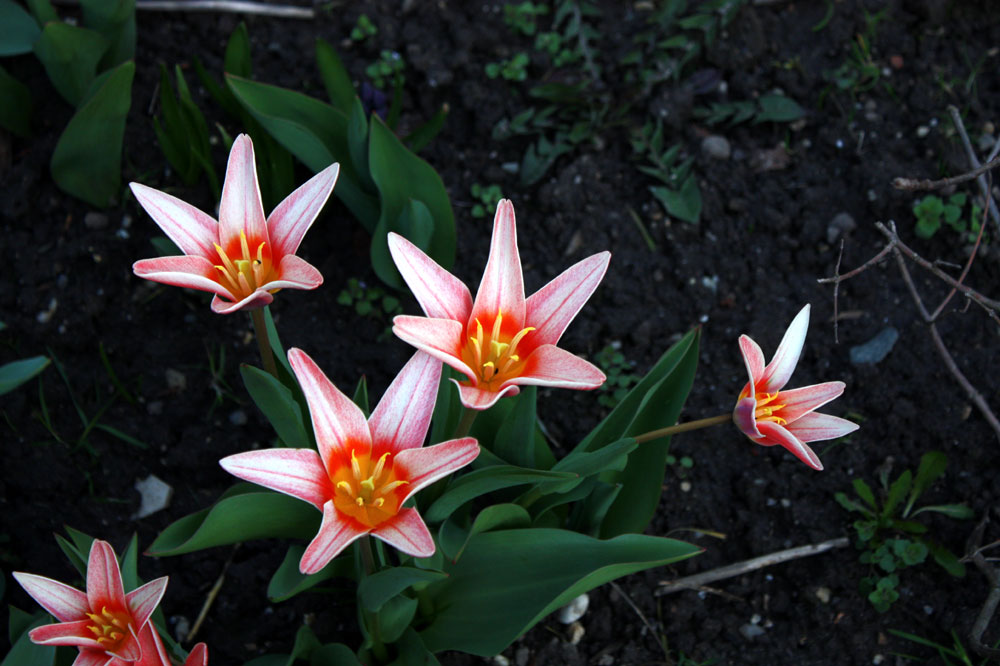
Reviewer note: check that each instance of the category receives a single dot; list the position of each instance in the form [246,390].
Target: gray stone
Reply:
[716,147]
[95,220]
[751,631]
[875,349]
[840,225]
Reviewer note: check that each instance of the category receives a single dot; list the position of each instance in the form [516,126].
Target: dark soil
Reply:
[748,267]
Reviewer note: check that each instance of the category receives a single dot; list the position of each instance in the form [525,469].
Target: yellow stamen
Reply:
[493,356]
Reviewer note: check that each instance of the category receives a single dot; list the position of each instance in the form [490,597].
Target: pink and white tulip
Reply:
[243,259]
[501,340]
[104,622]
[769,415]
[364,470]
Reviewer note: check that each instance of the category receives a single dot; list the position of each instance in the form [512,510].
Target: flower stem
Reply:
[263,341]
[465,425]
[372,619]
[683,427]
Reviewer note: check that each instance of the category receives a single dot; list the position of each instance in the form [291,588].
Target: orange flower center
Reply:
[366,489]
[493,355]
[765,410]
[110,628]
[242,272]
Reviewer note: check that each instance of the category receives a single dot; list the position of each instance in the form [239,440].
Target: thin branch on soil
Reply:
[739,568]
[663,646]
[992,599]
[970,153]
[230,6]
[924,184]
[210,599]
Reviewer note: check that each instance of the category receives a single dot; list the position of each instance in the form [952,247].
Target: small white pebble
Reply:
[576,632]
[574,610]
[823,594]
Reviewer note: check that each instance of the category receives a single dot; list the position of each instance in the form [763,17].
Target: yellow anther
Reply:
[496,325]
[389,487]
[378,503]
[488,371]
[94,628]
[355,466]
[347,488]
[379,466]
[359,501]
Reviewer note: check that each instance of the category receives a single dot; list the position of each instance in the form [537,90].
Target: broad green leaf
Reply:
[333,654]
[305,643]
[15,105]
[412,652]
[129,564]
[401,176]
[864,491]
[288,581]
[932,465]
[946,559]
[336,78]
[683,203]
[957,511]
[313,131]
[508,580]
[18,30]
[244,512]
[498,516]
[395,617]
[43,11]
[897,491]
[482,481]
[279,406]
[515,441]
[237,58]
[86,162]
[24,652]
[375,590]
[15,373]
[611,457]
[360,397]
[778,109]
[70,55]
[115,20]
[357,144]
[419,138]
[415,223]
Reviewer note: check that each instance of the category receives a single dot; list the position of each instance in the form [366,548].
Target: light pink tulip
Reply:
[365,469]
[105,623]
[768,415]
[243,259]
[501,340]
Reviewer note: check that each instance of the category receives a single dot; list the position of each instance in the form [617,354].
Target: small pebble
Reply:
[522,655]
[94,220]
[923,131]
[501,660]
[716,147]
[823,594]
[176,381]
[155,494]
[45,316]
[155,408]
[574,610]
[685,486]
[751,631]
[840,225]
[576,632]
[875,349]
[238,417]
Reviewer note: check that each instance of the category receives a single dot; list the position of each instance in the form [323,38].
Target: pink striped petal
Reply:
[94,658]
[401,419]
[407,532]
[423,466]
[441,295]
[129,651]
[474,397]
[554,306]
[64,602]
[753,358]
[296,472]
[151,646]
[296,273]
[551,366]
[104,578]
[241,208]
[194,232]
[290,221]
[192,272]
[815,427]
[198,656]
[441,338]
[744,416]
[335,534]
[142,601]
[800,401]
[780,369]
[777,434]
[66,633]
[339,424]
[257,299]
[502,288]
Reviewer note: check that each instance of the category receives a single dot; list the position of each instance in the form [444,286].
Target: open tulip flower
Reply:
[105,623]
[501,340]
[154,654]
[243,259]
[364,470]
[768,415]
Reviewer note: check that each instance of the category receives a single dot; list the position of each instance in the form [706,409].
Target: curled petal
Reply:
[64,602]
[407,532]
[776,434]
[193,272]
[441,295]
[296,472]
[753,358]
[296,273]
[401,419]
[191,230]
[257,299]
[240,208]
[815,427]
[549,365]
[780,369]
[423,466]
[474,397]
[800,401]
[745,419]
[502,288]
[441,338]
[554,306]
[290,221]
[67,633]
[335,533]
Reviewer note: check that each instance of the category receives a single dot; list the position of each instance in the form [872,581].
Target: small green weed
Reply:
[371,302]
[766,108]
[931,211]
[523,17]
[957,650]
[859,73]
[363,30]
[679,193]
[387,69]
[512,69]
[889,535]
[486,197]
[620,373]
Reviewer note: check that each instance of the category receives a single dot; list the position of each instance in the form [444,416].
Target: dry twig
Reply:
[231,6]
[975,554]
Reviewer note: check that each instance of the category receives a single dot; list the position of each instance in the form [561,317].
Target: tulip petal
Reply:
[198,656]
[296,472]
[104,578]
[407,532]
[800,401]
[780,369]
[257,299]
[554,306]
[290,221]
[296,273]
[66,633]
[502,288]
[441,295]
[335,533]
[551,366]
[62,601]
[240,208]
[93,658]
[441,338]
[423,466]
[339,424]
[128,651]
[142,601]
[816,427]
[151,645]
[401,419]
[779,435]
[193,272]
[744,416]
[753,358]
[475,397]
[191,230]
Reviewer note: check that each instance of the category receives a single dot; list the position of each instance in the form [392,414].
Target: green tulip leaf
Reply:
[15,373]
[482,481]
[15,105]
[279,406]
[18,30]
[376,590]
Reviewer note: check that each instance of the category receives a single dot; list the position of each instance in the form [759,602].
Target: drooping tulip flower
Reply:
[364,470]
[501,340]
[104,623]
[769,415]
[243,259]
